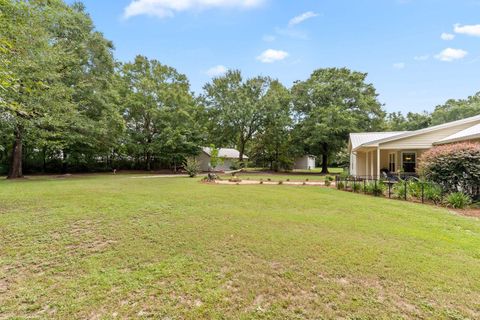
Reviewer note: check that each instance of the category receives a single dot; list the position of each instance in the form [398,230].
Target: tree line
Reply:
[66,104]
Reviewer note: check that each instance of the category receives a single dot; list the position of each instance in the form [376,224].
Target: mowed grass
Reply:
[105,247]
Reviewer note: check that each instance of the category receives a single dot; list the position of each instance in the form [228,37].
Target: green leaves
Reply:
[332,103]
[237,108]
[159,111]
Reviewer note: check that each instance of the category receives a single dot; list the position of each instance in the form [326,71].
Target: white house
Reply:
[307,162]
[370,152]
[226,158]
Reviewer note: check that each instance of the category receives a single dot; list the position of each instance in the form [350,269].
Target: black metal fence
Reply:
[410,188]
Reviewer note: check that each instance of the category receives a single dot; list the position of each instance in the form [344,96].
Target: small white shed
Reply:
[226,155]
[307,162]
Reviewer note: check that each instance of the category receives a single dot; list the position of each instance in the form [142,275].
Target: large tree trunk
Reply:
[325,159]
[242,151]
[15,171]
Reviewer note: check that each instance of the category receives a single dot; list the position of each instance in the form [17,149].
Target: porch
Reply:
[370,162]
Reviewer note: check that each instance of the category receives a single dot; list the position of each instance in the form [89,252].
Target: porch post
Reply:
[372,171]
[366,163]
[378,163]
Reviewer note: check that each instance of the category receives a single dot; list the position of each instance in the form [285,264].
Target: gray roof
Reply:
[227,153]
[358,139]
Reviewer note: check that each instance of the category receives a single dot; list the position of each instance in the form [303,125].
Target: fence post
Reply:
[389,190]
[375,191]
[423,192]
[405,185]
[364,186]
[354,184]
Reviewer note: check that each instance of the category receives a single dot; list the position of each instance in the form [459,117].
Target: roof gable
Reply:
[359,139]
[408,134]
[469,133]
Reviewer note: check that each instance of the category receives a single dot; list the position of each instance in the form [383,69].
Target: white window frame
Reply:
[394,160]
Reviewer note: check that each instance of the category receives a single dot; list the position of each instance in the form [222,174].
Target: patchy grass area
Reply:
[106,247]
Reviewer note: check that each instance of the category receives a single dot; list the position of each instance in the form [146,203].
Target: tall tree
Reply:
[273,144]
[396,121]
[236,107]
[329,105]
[160,112]
[61,66]
[456,109]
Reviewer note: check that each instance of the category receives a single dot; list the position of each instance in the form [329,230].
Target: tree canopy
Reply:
[67,105]
[329,105]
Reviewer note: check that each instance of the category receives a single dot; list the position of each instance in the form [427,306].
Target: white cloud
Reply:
[422,58]
[216,71]
[447,36]
[168,8]
[471,30]
[271,55]
[302,17]
[450,54]
[399,65]
[292,33]
[269,38]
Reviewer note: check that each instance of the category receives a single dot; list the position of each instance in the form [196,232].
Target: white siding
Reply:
[304,163]
[425,140]
[204,161]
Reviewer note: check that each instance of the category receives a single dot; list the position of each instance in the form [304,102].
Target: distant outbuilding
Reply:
[307,162]
[227,157]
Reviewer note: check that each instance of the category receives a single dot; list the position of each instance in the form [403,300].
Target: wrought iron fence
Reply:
[409,188]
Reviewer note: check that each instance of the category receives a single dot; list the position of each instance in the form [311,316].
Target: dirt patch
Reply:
[467,212]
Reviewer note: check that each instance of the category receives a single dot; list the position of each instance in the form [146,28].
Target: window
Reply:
[409,161]
[391,162]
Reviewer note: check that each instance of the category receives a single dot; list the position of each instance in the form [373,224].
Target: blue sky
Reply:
[418,53]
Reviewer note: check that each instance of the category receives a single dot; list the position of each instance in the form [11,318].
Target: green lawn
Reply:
[101,247]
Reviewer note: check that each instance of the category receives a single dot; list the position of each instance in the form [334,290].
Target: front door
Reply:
[409,161]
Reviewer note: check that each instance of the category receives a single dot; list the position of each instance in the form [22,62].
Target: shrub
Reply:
[211,177]
[356,187]
[433,193]
[235,179]
[344,175]
[414,189]
[458,200]
[192,167]
[280,182]
[329,178]
[456,167]
[327,183]
[340,185]
[377,189]
[399,189]
[288,180]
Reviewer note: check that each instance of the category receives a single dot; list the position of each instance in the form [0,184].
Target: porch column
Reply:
[366,163]
[372,171]
[378,163]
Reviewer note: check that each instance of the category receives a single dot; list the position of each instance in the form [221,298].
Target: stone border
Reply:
[272,183]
